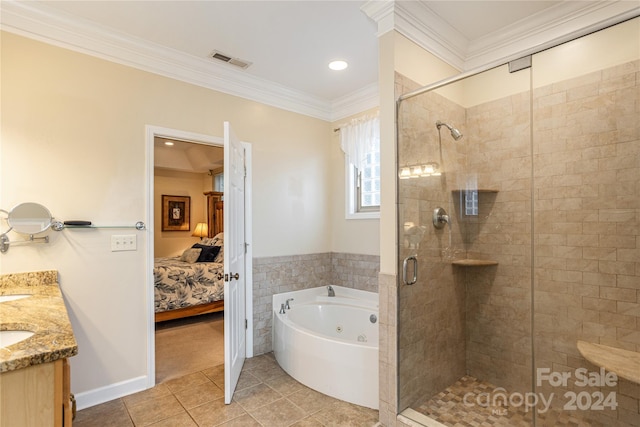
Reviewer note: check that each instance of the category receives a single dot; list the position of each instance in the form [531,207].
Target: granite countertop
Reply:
[43,313]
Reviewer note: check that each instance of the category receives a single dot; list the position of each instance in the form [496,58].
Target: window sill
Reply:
[363,215]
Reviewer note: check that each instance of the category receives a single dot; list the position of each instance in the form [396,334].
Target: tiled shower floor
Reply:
[448,407]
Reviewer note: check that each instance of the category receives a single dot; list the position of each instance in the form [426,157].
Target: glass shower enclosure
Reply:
[519,238]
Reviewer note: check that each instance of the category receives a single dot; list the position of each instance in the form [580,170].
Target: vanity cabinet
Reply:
[36,396]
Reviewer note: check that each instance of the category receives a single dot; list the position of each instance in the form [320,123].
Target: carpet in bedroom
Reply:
[184,346]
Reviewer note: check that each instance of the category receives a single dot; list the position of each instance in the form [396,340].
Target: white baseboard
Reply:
[113,391]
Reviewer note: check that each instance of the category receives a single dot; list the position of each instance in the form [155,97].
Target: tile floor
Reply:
[265,396]
[448,407]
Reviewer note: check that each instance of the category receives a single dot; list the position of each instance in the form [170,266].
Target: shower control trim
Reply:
[440,218]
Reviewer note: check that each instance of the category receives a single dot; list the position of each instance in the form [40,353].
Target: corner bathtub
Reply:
[330,344]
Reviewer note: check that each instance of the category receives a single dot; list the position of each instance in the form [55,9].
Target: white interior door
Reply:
[234,261]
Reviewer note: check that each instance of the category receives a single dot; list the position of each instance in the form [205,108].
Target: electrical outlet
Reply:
[123,242]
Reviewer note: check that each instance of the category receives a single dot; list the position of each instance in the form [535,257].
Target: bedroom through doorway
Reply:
[188,206]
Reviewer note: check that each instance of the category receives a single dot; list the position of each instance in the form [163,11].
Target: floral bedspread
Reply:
[180,284]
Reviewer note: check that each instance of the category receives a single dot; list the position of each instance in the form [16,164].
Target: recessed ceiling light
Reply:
[169,143]
[338,65]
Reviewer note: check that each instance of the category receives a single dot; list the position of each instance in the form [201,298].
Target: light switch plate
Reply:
[123,242]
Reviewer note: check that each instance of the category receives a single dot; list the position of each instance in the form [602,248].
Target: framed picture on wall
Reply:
[175,213]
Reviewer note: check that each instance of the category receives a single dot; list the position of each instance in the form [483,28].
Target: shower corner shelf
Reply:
[474,262]
[624,363]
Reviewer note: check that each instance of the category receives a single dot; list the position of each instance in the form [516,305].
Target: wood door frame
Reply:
[151,133]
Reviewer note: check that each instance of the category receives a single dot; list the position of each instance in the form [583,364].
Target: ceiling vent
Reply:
[229,59]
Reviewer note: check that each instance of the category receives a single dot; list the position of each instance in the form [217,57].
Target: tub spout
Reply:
[282,309]
[330,291]
[286,304]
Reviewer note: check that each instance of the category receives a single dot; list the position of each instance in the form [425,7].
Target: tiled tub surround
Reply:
[43,313]
[274,275]
[583,169]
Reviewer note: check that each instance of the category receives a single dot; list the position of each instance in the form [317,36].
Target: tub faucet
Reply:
[286,305]
[330,291]
[282,309]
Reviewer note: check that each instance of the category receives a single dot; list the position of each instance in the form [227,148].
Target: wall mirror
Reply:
[29,218]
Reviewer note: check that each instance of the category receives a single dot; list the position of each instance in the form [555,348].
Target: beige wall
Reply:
[73,139]
[353,236]
[176,183]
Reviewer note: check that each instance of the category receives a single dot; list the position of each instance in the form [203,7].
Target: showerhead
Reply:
[455,133]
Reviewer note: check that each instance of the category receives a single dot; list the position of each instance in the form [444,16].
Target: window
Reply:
[360,141]
[218,182]
[217,179]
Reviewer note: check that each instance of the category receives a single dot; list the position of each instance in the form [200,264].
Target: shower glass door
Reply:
[464,334]
[534,269]
[586,141]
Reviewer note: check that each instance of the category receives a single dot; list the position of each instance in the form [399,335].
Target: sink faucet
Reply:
[330,291]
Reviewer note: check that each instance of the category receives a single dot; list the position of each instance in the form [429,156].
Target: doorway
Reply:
[200,143]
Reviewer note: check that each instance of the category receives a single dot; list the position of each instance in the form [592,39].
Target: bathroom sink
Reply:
[8,338]
[5,298]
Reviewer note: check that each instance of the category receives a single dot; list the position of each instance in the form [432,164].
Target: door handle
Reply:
[229,277]
[405,265]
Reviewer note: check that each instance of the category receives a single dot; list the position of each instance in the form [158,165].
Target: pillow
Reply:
[207,241]
[208,253]
[190,255]
[217,240]
[220,256]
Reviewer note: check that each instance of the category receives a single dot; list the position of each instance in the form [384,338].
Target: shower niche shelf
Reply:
[470,208]
[474,262]
[479,190]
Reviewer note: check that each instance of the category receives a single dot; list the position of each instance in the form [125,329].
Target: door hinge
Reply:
[246,245]
[246,324]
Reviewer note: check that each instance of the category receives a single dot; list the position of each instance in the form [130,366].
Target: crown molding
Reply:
[550,27]
[361,100]
[416,21]
[382,13]
[563,22]
[35,21]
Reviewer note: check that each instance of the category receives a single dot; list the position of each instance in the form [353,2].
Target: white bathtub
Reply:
[330,344]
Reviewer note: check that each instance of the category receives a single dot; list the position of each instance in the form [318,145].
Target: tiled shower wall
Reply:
[458,320]
[272,275]
[498,304]
[587,226]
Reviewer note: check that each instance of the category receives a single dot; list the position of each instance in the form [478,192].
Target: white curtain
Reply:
[359,137]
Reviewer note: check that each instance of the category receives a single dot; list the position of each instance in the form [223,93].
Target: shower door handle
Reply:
[405,267]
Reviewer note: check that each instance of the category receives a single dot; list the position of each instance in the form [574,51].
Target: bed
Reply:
[192,283]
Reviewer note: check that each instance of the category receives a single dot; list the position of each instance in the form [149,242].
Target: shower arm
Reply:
[439,124]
